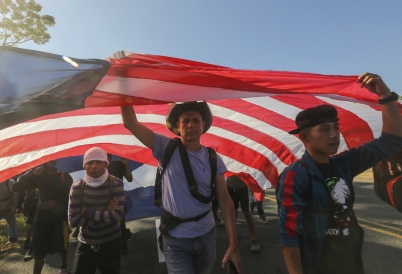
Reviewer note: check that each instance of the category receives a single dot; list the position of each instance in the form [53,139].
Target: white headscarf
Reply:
[95,154]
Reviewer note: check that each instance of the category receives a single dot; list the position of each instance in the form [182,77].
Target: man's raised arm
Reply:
[141,132]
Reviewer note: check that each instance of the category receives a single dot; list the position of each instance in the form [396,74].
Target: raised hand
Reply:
[375,84]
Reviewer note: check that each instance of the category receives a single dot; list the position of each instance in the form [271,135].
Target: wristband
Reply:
[393,97]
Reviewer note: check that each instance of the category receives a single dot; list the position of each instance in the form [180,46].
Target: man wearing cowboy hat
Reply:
[319,230]
[189,247]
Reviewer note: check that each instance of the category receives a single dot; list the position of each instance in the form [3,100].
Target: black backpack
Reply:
[168,221]
[388,180]
[172,145]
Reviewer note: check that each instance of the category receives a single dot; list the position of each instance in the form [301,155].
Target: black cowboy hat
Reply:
[176,109]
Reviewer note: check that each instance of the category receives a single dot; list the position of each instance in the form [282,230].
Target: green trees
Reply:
[21,22]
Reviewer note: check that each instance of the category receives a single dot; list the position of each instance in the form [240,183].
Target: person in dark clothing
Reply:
[239,193]
[27,204]
[254,202]
[7,209]
[120,169]
[50,226]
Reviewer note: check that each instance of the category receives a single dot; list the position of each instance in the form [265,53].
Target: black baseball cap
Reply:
[315,116]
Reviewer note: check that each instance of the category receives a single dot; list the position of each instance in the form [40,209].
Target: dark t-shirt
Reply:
[339,253]
[54,187]
[51,187]
[235,182]
[117,169]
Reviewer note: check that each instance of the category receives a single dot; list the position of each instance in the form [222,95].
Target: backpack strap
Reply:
[111,185]
[187,220]
[82,186]
[167,155]
[188,171]
[193,186]
[168,221]
[213,163]
[62,176]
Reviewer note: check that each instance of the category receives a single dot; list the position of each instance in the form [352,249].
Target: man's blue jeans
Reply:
[190,256]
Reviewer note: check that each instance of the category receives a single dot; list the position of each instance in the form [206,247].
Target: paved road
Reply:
[382,250]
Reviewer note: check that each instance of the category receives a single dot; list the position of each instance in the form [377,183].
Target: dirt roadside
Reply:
[366,176]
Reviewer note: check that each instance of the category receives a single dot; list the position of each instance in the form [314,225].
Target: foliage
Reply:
[4,229]
[7,249]
[21,22]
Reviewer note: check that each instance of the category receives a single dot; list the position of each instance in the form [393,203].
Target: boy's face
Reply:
[95,168]
[322,139]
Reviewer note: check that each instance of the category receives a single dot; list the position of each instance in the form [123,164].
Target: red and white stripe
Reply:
[249,134]
[148,79]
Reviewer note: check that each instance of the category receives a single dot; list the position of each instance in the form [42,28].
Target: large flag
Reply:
[253,111]
[34,84]
[249,134]
[149,79]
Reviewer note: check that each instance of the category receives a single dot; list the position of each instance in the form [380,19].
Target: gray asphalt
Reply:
[382,250]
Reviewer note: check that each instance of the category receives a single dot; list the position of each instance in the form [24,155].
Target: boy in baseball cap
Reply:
[319,229]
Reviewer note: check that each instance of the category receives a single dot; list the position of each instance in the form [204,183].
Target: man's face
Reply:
[190,125]
[322,139]
[95,169]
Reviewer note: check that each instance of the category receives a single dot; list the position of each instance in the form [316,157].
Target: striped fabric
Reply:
[98,225]
[140,79]
[250,134]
